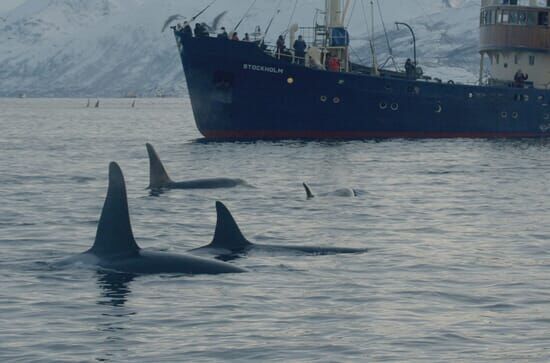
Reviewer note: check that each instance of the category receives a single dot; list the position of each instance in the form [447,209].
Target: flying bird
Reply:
[212,28]
[170,20]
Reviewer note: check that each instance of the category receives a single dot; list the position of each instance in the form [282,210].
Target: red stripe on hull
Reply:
[351,135]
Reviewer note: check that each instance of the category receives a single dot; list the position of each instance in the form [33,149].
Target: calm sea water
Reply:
[459,232]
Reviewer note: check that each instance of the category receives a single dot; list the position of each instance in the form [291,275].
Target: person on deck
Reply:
[187,32]
[300,47]
[410,69]
[198,30]
[333,64]
[280,45]
[246,37]
[223,34]
[235,36]
[520,78]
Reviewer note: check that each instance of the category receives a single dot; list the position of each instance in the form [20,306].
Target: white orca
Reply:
[115,248]
[159,179]
[229,241]
[344,192]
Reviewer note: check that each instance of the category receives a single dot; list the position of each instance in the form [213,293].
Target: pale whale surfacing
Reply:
[229,241]
[116,249]
[159,179]
[344,192]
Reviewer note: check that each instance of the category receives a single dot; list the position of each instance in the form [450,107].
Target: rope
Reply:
[245,15]
[292,15]
[277,11]
[351,16]
[390,50]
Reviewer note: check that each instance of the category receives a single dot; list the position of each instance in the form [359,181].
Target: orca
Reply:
[344,192]
[115,248]
[229,242]
[159,179]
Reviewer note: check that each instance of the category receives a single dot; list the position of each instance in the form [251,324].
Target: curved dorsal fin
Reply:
[158,177]
[227,235]
[114,232]
[308,191]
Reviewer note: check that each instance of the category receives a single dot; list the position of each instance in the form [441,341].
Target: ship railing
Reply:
[288,56]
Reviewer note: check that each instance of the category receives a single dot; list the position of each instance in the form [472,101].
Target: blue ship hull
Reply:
[238,91]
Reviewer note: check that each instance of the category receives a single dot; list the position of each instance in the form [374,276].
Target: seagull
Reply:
[212,28]
[170,20]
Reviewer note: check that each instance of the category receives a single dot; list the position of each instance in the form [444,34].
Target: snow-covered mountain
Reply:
[89,48]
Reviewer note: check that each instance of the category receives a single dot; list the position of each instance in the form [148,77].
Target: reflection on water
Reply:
[115,288]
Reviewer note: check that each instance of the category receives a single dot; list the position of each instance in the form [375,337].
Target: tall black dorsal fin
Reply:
[308,191]
[114,232]
[158,177]
[227,235]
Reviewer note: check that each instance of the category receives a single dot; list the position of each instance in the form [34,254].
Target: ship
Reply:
[248,90]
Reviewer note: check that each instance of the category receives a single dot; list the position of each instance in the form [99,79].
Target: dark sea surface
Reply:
[458,231]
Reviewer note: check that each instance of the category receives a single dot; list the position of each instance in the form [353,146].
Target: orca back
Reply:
[114,233]
[308,191]
[158,177]
[228,234]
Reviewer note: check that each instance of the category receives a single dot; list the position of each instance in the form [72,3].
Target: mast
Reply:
[337,35]
[334,13]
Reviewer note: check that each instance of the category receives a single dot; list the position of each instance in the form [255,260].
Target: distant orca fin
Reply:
[114,232]
[158,177]
[308,191]
[228,234]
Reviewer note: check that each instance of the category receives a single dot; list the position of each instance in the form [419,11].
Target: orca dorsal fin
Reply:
[228,234]
[308,191]
[114,233]
[158,177]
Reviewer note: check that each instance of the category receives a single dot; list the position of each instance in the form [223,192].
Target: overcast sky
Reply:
[9,4]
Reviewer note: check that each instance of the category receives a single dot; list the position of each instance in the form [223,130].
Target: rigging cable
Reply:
[202,11]
[352,11]
[245,15]
[277,11]
[292,15]
[390,50]
[374,66]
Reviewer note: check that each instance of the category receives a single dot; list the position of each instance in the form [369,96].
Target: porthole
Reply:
[323,98]
[290,80]
[504,114]
[438,108]
[394,106]
[515,115]
[336,100]
[383,105]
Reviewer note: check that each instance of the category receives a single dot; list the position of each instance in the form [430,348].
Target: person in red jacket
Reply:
[333,64]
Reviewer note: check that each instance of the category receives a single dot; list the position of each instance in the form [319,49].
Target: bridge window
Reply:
[543,18]
[505,17]
[531,60]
